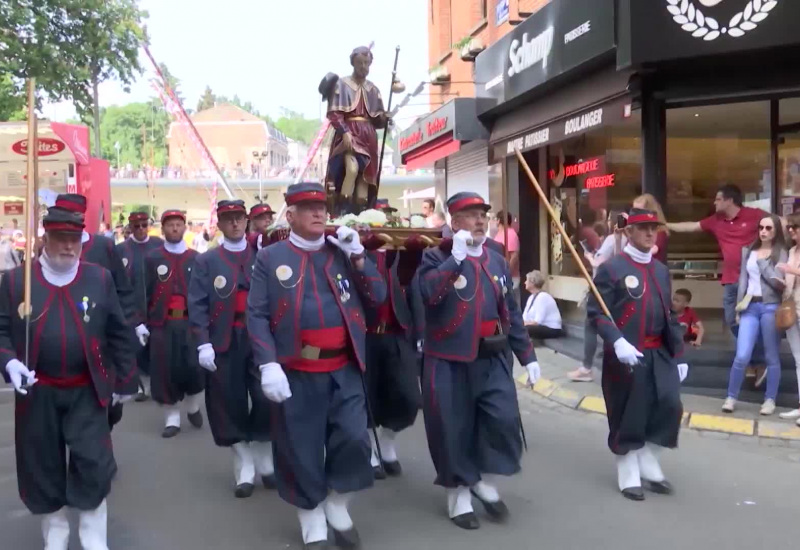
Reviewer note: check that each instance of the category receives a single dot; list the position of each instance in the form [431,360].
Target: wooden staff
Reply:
[563,232]
[32,213]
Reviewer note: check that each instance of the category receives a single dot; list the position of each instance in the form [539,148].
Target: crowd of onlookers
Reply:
[239,172]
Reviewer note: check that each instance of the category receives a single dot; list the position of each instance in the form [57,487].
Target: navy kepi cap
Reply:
[72,202]
[383,204]
[174,213]
[63,221]
[305,192]
[641,216]
[226,206]
[260,209]
[464,200]
[134,217]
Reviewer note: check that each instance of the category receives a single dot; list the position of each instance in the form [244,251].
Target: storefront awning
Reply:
[431,152]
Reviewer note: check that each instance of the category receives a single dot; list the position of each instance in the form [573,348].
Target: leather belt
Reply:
[177,314]
[756,299]
[652,342]
[313,353]
[356,119]
[385,328]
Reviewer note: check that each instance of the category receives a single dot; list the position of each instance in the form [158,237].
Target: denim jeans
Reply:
[757,319]
[730,292]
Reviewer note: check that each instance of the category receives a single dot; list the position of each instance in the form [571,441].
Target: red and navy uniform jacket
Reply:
[462,299]
[133,255]
[167,279]
[395,310]
[217,293]
[639,297]
[94,314]
[284,293]
[257,241]
[101,250]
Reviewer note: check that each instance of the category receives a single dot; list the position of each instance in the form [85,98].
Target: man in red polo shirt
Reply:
[735,227]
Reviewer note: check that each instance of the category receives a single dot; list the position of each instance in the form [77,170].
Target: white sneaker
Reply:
[768,407]
[729,405]
[790,415]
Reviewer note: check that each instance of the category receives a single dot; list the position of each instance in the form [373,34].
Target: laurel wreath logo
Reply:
[692,20]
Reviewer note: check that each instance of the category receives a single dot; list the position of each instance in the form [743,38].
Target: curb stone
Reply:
[769,433]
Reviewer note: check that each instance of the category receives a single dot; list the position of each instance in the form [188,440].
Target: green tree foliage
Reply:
[207,100]
[12,101]
[140,129]
[297,127]
[68,45]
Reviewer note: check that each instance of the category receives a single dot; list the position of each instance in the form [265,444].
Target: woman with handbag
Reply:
[791,301]
[760,293]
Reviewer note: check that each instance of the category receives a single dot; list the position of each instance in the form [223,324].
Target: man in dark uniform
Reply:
[641,369]
[261,217]
[100,250]
[392,372]
[308,330]
[133,251]
[81,360]
[469,395]
[174,371]
[217,305]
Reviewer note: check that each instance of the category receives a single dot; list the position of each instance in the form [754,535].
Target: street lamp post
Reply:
[260,156]
[117,147]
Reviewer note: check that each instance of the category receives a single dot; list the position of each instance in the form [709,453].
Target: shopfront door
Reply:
[788,156]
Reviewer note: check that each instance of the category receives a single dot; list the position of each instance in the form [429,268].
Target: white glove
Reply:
[142,334]
[683,371]
[348,241]
[420,346]
[16,372]
[460,240]
[115,398]
[274,383]
[534,372]
[626,353]
[206,356]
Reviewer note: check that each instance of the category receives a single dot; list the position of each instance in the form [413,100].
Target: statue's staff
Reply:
[563,232]
[388,120]
[31,213]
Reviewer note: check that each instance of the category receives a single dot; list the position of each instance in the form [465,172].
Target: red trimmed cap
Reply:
[305,192]
[464,200]
[383,205]
[226,206]
[60,220]
[172,214]
[639,216]
[260,209]
[134,217]
[72,202]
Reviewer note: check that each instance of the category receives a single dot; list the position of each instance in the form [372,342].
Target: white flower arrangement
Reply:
[417,221]
[374,218]
[346,220]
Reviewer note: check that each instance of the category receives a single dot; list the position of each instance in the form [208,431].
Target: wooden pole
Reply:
[564,236]
[32,212]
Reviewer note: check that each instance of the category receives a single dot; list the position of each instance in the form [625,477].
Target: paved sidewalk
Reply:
[701,413]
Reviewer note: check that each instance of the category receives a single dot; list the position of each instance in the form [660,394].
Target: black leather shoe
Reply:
[467,521]
[319,545]
[269,481]
[378,472]
[244,490]
[196,419]
[170,431]
[347,539]
[633,493]
[659,487]
[498,511]
[393,469]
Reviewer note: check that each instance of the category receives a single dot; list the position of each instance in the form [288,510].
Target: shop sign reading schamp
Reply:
[526,54]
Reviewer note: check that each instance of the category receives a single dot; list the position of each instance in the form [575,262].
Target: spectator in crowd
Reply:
[541,314]
[428,207]
[200,239]
[791,269]
[760,292]
[512,248]
[189,234]
[687,317]
[9,259]
[649,202]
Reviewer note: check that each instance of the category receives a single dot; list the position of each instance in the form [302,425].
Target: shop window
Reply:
[708,147]
[789,111]
[590,179]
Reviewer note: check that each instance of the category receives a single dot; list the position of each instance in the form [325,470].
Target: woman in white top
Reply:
[541,314]
[792,271]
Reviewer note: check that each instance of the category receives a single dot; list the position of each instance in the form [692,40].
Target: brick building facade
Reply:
[451,22]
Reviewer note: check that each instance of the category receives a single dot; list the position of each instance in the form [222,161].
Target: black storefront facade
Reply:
[609,99]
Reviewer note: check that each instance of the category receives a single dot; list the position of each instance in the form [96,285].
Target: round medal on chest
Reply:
[162,270]
[460,283]
[220,282]
[631,282]
[283,273]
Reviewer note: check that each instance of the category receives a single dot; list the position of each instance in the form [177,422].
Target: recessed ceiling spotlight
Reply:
[697,114]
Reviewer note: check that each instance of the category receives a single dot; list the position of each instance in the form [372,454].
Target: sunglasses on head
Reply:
[765,228]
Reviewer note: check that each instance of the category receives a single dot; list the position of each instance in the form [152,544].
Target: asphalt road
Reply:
[177,495]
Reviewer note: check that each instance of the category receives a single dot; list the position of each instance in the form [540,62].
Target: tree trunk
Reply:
[96,114]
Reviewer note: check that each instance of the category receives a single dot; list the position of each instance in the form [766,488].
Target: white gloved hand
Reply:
[348,241]
[534,372]
[274,383]
[626,353]
[420,345]
[142,334]
[116,398]
[206,357]
[17,372]
[460,240]
[683,371]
